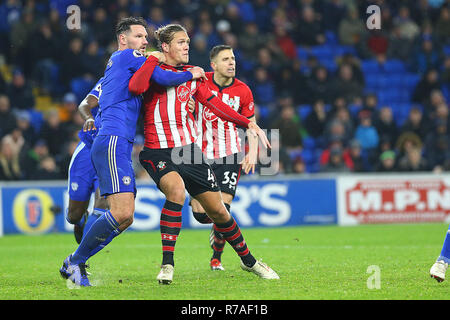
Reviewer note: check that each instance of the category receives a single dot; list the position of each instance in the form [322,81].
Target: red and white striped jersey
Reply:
[216,137]
[167,120]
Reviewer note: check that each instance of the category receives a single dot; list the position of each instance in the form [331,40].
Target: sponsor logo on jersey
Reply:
[183,94]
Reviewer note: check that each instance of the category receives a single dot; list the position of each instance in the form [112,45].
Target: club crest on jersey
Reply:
[183,93]
[208,115]
[161,165]
[74,186]
[137,53]
[126,180]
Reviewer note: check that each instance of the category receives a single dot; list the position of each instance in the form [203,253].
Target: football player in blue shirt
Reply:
[111,150]
[82,180]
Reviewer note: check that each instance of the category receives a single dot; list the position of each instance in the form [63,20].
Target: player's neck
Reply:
[172,62]
[221,80]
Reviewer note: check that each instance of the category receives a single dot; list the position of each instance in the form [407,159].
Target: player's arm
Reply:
[150,71]
[205,96]
[85,109]
[250,159]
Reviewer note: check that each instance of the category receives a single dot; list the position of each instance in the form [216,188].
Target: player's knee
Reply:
[202,217]
[74,215]
[176,194]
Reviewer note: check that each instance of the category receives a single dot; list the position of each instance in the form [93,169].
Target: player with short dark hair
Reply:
[111,149]
[175,162]
[220,141]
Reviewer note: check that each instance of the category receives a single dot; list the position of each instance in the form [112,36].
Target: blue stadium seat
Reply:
[302,53]
[308,156]
[263,111]
[81,87]
[36,119]
[370,66]
[394,66]
[304,110]
[323,52]
[309,143]
[331,37]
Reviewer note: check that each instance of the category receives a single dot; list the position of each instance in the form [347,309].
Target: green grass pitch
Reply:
[316,262]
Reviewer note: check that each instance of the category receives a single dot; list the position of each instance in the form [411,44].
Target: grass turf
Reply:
[323,262]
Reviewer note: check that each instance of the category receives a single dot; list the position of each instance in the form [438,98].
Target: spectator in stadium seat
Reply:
[413,161]
[316,120]
[47,170]
[366,133]
[407,141]
[19,92]
[308,31]
[285,43]
[263,87]
[54,132]
[359,163]
[442,28]
[31,158]
[101,27]
[298,165]
[415,123]
[24,124]
[351,28]
[336,161]
[428,82]
[346,85]
[435,99]
[369,106]
[7,117]
[408,27]
[385,124]
[290,129]
[335,130]
[354,62]
[251,40]
[386,162]
[425,57]
[72,63]
[292,82]
[399,47]
[199,53]
[319,86]
[9,162]
[436,144]
[94,63]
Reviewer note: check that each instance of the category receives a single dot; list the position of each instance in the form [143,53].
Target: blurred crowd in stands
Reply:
[317,73]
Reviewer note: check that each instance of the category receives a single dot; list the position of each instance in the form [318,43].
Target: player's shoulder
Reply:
[181,68]
[128,54]
[241,85]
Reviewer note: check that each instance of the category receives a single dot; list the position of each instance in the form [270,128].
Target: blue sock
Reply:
[100,231]
[112,235]
[92,218]
[445,253]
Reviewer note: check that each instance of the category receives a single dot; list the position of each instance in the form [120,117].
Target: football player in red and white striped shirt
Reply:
[170,133]
[219,139]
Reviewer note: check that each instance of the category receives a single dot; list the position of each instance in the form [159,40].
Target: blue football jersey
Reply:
[88,136]
[120,108]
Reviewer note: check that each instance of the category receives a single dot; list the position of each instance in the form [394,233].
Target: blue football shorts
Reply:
[111,156]
[82,176]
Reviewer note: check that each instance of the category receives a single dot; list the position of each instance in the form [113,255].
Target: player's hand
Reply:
[157,54]
[258,132]
[197,73]
[89,125]
[249,162]
[191,105]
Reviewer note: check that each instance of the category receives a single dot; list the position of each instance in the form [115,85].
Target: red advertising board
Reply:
[393,199]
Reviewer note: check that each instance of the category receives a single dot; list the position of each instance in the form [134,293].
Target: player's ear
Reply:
[165,47]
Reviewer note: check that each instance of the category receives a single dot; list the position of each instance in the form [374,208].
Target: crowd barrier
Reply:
[39,207]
